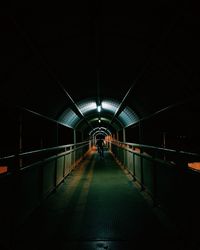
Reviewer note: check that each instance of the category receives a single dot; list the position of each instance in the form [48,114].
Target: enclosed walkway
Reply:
[126,73]
[97,207]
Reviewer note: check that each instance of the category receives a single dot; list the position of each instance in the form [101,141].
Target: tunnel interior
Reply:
[127,73]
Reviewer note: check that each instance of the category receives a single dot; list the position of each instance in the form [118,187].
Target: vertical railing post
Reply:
[164,144]
[124,146]
[15,206]
[56,160]
[134,178]
[74,153]
[142,170]
[64,164]
[71,158]
[20,139]
[154,180]
[117,136]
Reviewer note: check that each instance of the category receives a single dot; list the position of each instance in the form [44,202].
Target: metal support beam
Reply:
[124,135]
[74,136]
[117,136]
[23,33]
[174,105]
[121,105]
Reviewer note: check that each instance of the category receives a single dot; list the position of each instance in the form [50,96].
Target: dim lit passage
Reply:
[97,207]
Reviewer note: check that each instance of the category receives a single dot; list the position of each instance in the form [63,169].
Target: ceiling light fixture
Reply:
[99,109]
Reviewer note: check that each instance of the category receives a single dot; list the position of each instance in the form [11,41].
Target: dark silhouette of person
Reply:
[100,145]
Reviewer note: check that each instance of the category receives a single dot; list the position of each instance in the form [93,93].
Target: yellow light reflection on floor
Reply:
[3,169]
[194,165]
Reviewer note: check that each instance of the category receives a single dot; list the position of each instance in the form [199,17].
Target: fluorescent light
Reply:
[87,106]
[99,108]
[99,120]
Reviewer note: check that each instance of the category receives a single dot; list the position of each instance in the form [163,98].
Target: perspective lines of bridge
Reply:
[96,74]
[98,207]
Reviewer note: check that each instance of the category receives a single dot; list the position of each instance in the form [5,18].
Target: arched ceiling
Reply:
[103,112]
[133,59]
[99,129]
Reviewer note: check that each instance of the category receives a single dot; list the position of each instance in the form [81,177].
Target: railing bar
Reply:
[49,159]
[157,160]
[51,149]
[7,157]
[159,148]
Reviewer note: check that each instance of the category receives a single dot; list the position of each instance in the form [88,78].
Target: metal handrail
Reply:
[51,148]
[149,157]
[42,150]
[153,157]
[72,148]
[157,148]
[7,157]
[51,157]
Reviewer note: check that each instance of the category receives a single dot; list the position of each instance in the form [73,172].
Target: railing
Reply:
[31,177]
[164,175]
[22,160]
[172,156]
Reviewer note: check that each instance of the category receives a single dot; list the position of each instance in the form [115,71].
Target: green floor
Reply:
[97,207]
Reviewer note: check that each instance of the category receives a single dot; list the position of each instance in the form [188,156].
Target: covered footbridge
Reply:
[128,74]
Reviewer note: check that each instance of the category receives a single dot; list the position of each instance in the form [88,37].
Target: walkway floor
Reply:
[97,207]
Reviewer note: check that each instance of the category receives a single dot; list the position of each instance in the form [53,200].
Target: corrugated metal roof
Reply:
[69,117]
[88,108]
[128,117]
